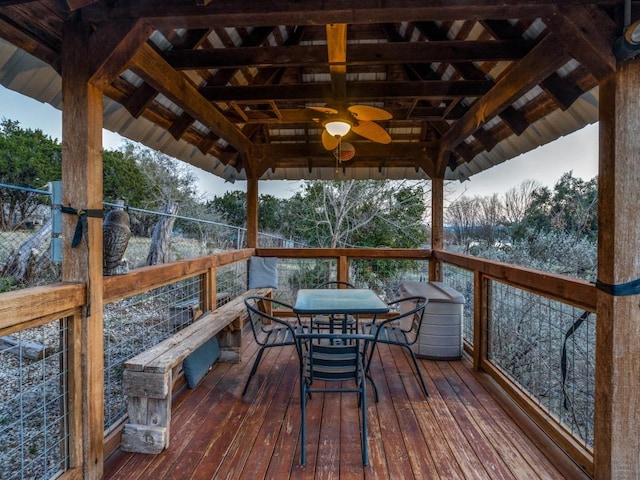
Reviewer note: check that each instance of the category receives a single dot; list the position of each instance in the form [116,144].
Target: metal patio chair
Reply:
[333,357]
[268,330]
[401,329]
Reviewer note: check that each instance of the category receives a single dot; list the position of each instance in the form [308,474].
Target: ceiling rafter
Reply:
[150,66]
[112,46]
[319,92]
[542,61]
[451,51]
[222,13]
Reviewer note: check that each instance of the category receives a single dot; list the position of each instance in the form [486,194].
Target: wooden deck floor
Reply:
[460,431]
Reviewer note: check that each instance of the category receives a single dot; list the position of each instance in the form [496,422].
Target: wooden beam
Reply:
[152,68]
[82,189]
[562,91]
[362,54]
[337,54]
[76,4]
[617,389]
[137,103]
[587,33]
[112,46]
[411,150]
[437,226]
[29,44]
[252,211]
[542,61]
[313,92]
[222,13]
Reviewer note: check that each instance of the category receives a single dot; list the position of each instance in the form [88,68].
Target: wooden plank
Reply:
[419,460]
[165,355]
[82,175]
[43,301]
[316,55]
[565,289]
[153,439]
[396,455]
[481,444]
[145,384]
[262,420]
[155,276]
[328,253]
[337,56]
[112,46]
[209,442]
[543,60]
[520,457]
[617,402]
[166,14]
[150,66]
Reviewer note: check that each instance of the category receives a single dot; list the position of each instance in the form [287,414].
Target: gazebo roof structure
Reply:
[227,86]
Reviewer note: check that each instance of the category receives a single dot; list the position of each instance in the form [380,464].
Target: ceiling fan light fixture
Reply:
[632,33]
[338,128]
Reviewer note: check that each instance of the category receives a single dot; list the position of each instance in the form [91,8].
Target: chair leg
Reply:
[365,438]
[253,370]
[303,427]
[415,364]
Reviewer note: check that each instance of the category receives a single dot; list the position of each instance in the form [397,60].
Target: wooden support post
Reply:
[252,211]
[479,319]
[437,226]
[617,402]
[343,269]
[82,190]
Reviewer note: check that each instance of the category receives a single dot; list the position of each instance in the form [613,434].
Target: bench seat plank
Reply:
[148,377]
[173,350]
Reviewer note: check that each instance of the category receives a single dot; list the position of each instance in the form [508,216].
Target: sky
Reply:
[577,152]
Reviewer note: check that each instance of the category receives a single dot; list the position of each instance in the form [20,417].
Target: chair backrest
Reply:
[409,312]
[336,284]
[262,320]
[333,356]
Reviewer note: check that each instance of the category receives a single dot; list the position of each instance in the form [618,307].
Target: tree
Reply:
[28,158]
[463,216]
[571,207]
[359,213]
[123,179]
[517,201]
[232,207]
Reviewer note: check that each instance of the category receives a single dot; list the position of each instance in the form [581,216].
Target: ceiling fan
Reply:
[337,122]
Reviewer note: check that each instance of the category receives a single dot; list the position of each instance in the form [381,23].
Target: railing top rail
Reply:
[155,276]
[43,302]
[575,291]
[358,252]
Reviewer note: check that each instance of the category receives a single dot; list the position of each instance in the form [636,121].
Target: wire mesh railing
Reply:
[134,324]
[462,281]
[34,434]
[548,349]
[26,232]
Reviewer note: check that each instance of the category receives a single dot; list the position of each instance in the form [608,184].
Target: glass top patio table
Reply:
[334,301]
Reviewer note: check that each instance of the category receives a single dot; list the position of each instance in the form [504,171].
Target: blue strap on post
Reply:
[620,289]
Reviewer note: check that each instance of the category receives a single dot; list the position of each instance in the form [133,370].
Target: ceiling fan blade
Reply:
[372,131]
[324,109]
[367,112]
[329,141]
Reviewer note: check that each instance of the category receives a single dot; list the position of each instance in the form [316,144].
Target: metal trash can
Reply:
[441,331]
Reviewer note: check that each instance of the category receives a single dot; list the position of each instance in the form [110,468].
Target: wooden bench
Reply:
[149,376]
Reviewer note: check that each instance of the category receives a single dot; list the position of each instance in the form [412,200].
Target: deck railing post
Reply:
[343,268]
[479,318]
